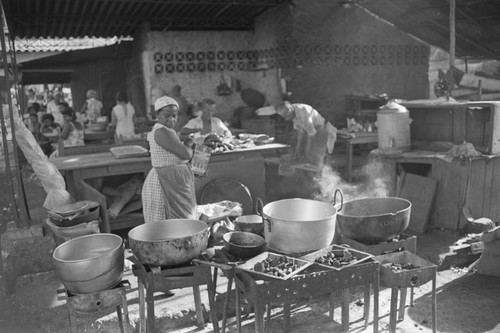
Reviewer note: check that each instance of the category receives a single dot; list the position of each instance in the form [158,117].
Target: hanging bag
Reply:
[223,89]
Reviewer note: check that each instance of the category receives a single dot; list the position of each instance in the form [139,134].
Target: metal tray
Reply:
[359,255]
[129,151]
[248,266]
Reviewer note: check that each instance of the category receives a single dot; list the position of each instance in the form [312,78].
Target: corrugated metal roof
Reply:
[122,18]
[477,21]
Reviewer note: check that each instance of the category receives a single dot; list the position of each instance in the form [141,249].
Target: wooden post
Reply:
[480,90]
[452,41]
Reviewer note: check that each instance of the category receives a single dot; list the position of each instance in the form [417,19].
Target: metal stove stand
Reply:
[314,281]
[400,281]
[404,243]
[96,303]
[168,278]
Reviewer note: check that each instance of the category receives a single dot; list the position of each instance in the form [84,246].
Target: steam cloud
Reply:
[374,183]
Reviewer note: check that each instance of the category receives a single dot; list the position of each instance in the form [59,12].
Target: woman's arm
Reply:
[168,140]
[65,131]
[114,120]
[300,141]
[186,131]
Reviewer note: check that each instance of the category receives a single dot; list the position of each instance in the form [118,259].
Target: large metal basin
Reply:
[107,280]
[169,242]
[299,225]
[374,220]
[90,263]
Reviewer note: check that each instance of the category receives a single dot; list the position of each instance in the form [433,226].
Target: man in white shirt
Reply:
[206,123]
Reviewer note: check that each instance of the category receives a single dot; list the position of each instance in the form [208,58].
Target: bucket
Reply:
[393,122]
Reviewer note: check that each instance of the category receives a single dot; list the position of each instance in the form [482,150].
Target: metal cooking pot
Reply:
[243,244]
[90,263]
[299,225]
[374,220]
[249,223]
[169,242]
[107,280]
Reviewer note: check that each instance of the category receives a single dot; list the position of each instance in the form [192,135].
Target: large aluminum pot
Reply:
[299,225]
[169,242]
[90,263]
[107,280]
[374,220]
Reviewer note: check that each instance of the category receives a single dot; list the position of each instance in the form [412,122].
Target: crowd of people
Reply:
[53,121]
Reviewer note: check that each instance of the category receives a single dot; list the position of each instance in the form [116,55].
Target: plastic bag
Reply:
[52,181]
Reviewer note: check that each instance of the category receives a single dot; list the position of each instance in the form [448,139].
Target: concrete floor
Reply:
[466,302]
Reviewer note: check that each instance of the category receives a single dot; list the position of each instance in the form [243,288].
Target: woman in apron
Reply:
[168,191]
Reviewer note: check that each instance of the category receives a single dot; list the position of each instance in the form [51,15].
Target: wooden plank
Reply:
[474,196]
[488,186]
[495,192]
[448,203]
[420,191]
[472,81]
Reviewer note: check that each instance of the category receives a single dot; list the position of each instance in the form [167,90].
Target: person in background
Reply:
[31,97]
[155,94]
[53,108]
[183,116]
[320,134]
[36,109]
[72,131]
[49,128]
[49,133]
[168,191]
[123,117]
[92,108]
[34,125]
[206,123]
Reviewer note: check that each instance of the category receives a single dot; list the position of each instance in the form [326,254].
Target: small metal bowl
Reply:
[250,223]
[243,244]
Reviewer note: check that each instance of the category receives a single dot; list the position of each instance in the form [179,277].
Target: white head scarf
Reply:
[165,101]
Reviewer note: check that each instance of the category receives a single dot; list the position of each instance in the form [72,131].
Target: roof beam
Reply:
[260,3]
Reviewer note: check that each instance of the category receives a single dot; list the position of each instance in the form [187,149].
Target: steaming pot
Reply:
[299,225]
[374,220]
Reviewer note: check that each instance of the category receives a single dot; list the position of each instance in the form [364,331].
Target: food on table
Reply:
[396,268]
[278,266]
[218,143]
[337,258]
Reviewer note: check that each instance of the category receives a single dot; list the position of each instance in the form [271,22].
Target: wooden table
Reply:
[357,139]
[243,165]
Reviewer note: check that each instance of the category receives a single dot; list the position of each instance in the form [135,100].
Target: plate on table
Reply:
[129,151]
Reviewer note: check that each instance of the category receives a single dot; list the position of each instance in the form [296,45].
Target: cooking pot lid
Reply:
[227,189]
[76,207]
[253,98]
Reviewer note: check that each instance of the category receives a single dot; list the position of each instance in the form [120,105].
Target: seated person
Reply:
[49,134]
[206,123]
[72,132]
[34,125]
[50,129]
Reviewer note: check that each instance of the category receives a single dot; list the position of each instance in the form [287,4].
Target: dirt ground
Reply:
[466,302]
